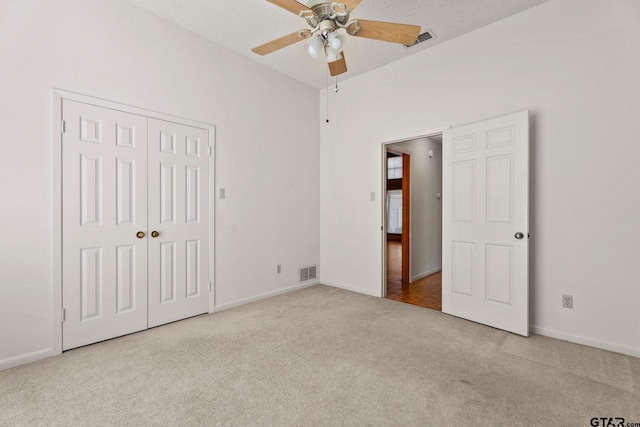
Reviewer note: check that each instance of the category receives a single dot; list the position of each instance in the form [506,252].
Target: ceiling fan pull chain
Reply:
[336,89]
[327,105]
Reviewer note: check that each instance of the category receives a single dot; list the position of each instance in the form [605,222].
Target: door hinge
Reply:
[210,150]
[64,314]
[63,127]
[209,286]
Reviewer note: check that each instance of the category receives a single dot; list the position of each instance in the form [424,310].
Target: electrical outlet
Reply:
[567,301]
[279,268]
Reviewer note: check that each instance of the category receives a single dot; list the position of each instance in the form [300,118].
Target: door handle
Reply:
[140,234]
[154,233]
[519,235]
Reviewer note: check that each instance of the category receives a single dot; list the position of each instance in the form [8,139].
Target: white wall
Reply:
[573,64]
[426,209]
[266,149]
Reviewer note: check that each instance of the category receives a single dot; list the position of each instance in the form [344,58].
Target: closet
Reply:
[135,222]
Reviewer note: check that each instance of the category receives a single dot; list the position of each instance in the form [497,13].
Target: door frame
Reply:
[406,218]
[57,96]
[383,228]
[406,209]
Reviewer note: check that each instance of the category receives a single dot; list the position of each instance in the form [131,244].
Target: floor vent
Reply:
[307,273]
[427,35]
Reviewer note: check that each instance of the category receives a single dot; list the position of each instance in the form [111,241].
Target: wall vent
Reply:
[307,273]
[427,35]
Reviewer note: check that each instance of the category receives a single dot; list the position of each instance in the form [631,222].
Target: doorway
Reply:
[485,221]
[413,221]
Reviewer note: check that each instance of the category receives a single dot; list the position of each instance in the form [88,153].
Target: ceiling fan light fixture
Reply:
[336,41]
[314,47]
[332,54]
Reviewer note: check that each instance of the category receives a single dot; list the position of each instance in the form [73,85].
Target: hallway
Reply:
[425,292]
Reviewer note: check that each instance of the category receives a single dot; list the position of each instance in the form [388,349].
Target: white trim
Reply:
[412,136]
[383,227]
[577,339]
[428,273]
[56,224]
[212,217]
[99,102]
[23,359]
[349,288]
[58,95]
[265,295]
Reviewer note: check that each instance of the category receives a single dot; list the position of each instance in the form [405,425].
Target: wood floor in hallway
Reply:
[426,292]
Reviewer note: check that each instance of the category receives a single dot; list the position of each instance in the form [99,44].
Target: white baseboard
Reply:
[266,295]
[428,273]
[604,345]
[348,288]
[23,359]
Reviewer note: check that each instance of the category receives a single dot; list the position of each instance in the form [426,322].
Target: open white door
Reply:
[485,248]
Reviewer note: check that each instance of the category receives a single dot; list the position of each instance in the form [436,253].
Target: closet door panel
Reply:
[178,212]
[104,205]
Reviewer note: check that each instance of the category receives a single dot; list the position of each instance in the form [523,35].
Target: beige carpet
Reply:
[323,357]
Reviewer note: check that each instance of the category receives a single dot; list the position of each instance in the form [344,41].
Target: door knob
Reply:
[140,234]
[519,235]
[154,233]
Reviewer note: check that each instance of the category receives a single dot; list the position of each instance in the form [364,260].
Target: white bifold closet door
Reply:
[124,177]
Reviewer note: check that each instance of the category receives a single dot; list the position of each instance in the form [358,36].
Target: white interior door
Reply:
[104,264]
[179,213]
[486,222]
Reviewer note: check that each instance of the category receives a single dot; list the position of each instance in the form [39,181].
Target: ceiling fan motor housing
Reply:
[326,27]
[326,11]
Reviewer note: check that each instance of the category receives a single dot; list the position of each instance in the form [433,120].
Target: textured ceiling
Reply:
[240,25]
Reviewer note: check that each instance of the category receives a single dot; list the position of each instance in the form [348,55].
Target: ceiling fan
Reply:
[326,18]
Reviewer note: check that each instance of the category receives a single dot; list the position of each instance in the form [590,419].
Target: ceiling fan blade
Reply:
[338,67]
[351,4]
[291,5]
[276,44]
[389,31]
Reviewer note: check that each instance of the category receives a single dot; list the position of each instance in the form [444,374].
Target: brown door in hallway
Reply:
[406,217]
[398,214]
